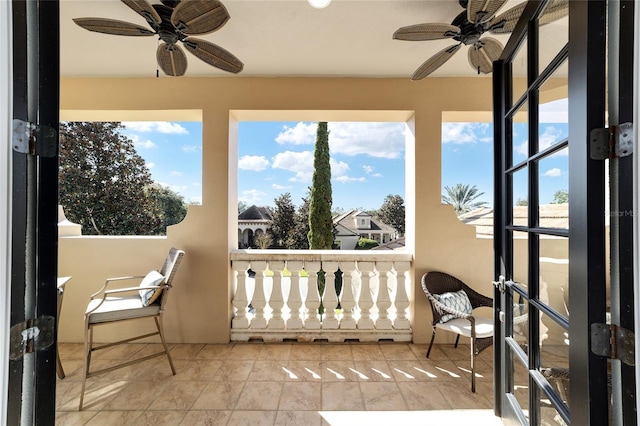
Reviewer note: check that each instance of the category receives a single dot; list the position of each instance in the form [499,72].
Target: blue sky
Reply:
[367,159]
[367,162]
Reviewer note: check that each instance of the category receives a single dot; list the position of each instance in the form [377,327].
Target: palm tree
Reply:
[462,198]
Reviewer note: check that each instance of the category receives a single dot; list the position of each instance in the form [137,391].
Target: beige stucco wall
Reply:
[199,309]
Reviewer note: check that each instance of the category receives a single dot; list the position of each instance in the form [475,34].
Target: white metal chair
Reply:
[147,300]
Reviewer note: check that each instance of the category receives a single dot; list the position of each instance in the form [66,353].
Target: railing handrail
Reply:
[320,255]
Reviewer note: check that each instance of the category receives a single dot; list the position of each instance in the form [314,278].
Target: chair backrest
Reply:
[169,269]
[435,282]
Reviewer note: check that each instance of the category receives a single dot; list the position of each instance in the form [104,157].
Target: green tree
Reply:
[366,244]
[242,206]
[561,196]
[392,212]
[463,198]
[283,222]
[104,184]
[298,240]
[521,202]
[320,219]
[171,204]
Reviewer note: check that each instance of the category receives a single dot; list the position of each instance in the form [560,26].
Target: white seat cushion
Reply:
[119,308]
[484,327]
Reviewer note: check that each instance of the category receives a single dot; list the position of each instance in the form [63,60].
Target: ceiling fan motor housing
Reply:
[469,33]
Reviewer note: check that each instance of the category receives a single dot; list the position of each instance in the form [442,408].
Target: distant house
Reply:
[355,224]
[252,222]
[550,216]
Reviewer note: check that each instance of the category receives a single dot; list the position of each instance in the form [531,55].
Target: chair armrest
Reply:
[109,280]
[128,289]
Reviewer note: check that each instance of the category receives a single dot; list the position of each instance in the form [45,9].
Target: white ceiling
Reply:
[350,38]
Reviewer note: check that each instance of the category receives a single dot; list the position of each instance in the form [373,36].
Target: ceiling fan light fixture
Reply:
[319,4]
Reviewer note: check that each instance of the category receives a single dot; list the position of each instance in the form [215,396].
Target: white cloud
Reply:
[179,188]
[550,136]
[195,200]
[251,196]
[380,140]
[301,134]
[300,163]
[150,165]
[554,111]
[278,186]
[190,148]
[461,133]
[253,162]
[338,168]
[165,127]
[555,172]
[139,143]
[368,169]
[347,179]
[378,175]
[175,173]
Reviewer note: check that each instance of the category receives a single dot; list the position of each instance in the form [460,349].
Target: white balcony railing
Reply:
[276,296]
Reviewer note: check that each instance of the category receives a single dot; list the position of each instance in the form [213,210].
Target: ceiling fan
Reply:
[174,21]
[468,27]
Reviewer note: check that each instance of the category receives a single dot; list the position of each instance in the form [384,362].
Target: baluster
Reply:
[313,299]
[276,301]
[294,302]
[365,302]
[258,301]
[402,301]
[347,300]
[240,301]
[383,301]
[330,298]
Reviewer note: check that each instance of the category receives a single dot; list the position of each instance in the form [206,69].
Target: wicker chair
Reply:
[479,330]
[108,306]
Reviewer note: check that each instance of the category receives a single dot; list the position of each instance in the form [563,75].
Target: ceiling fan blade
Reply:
[112,26]
[556,9]
[506,22]
[144,9]
[171,59]
[483,53]
[213,55]
[420,32]
[434,62]
[479,11]
[199,16]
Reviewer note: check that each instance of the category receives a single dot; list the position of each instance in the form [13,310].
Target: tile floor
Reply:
[279,384]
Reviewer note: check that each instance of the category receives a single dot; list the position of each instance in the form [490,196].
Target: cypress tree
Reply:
[320,220]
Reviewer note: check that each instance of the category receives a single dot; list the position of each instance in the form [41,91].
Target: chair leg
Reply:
[88,342]
[433,336]
[473,365]
[457,340]
[164,343]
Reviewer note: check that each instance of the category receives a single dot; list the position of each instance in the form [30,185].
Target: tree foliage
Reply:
[298,238]
[283,222]
[320,219]
[366,244]
[172,206]
[104,184]
[463,198]
[392,212]
[521,202]
[561,196]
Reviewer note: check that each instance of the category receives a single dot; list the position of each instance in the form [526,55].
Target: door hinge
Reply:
[33,139]
[31,336]
[500,284]
[613,342]
[611,142]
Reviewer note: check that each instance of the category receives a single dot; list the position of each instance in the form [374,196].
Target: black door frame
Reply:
[36,79]
[586,233]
